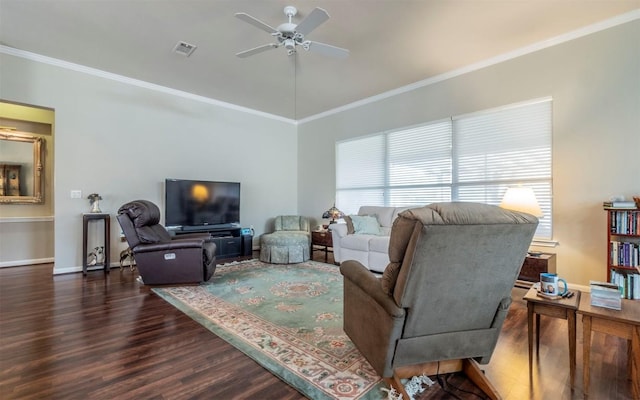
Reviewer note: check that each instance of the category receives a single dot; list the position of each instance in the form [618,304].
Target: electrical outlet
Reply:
[76,194]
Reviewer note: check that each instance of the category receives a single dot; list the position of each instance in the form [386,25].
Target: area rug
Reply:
[288,318]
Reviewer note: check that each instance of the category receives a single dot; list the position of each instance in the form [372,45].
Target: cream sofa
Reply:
[372,251]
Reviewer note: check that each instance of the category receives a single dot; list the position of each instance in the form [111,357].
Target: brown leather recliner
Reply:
[162,259]
[442,300]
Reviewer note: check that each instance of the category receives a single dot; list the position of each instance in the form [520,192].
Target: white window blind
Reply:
[473,157]
[507,147]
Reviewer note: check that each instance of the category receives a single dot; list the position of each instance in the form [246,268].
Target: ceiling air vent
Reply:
[184,48]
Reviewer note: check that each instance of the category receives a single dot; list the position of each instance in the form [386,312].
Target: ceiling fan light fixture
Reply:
[289,35]
[184,48]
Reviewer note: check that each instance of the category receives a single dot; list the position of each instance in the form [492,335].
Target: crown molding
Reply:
[554,41]
[135,82]
[563,38]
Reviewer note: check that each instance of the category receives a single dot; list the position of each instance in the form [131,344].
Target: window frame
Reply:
[382,193]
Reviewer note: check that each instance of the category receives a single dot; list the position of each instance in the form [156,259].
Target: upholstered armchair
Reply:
[442,300]
[289,243]
[160,258]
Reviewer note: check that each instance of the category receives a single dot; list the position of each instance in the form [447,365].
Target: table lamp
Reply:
[521,199]
[333,213]
[524,200]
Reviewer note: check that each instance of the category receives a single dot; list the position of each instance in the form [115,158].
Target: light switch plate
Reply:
[76,194]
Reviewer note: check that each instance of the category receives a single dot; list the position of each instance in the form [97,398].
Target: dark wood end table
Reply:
[322,239]
[560,308]
[533,266]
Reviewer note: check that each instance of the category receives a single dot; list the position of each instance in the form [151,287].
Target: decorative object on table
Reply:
[549,285]
[333,213]
[605,295]
[521,199]
[94,200]
[636,199]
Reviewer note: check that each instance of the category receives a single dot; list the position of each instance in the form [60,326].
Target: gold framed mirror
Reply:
[21,167]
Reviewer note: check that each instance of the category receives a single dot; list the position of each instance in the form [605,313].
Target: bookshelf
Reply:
[623,255]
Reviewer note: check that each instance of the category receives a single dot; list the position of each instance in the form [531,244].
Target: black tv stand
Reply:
[229,240]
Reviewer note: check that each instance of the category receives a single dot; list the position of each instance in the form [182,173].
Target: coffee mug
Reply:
[549,284]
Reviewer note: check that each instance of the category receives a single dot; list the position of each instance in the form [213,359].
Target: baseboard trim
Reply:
[21,263]
[76,269]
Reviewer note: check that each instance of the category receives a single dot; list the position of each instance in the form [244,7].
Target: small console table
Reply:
[322,239]
[85,239]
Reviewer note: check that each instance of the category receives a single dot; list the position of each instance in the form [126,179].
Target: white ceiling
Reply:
[393,43]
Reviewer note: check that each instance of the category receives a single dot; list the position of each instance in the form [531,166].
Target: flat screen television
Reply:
[193,203]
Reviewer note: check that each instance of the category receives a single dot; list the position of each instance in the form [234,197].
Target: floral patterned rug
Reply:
[289,319]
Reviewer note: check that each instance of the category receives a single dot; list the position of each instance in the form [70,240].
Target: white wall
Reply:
[122,141]
[595,85]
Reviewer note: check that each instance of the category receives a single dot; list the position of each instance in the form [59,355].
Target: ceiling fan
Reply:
[290,35]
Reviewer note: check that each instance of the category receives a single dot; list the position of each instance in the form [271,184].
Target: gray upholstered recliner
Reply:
[442,299]
[289,243]
[160,258]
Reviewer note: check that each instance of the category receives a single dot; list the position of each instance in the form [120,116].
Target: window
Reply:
[473,157]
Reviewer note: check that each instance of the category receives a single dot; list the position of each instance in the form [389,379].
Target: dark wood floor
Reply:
[75,337]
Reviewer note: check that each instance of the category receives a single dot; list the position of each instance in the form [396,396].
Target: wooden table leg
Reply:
[586,352]
[634,360]
[571,322]
[530,334]
[537,335]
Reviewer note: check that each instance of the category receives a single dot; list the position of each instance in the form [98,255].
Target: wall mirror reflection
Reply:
[21,167]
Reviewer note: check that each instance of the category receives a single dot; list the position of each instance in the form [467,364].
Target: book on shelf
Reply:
[624,222]
[628,283]
[624,254]
[619,204]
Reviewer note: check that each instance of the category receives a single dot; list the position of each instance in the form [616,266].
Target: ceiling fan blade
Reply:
[312,21]
[328,50]
[256,22]
[257,50]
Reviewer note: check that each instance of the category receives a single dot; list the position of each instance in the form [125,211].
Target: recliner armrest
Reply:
[207,237]
[173,245]
[359,275]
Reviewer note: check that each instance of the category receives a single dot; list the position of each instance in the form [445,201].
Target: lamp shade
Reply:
[521,199]
[333,213]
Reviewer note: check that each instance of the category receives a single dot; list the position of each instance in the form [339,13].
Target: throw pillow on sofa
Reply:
[365,225]
[347,219]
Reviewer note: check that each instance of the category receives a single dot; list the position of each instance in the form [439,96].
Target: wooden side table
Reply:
[561,308]
[322,239]
[624,323]
[107,240]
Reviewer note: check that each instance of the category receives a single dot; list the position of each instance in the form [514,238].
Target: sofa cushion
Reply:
[365,225]
[384,215]
[379,244]
[291,223]
[356,242]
